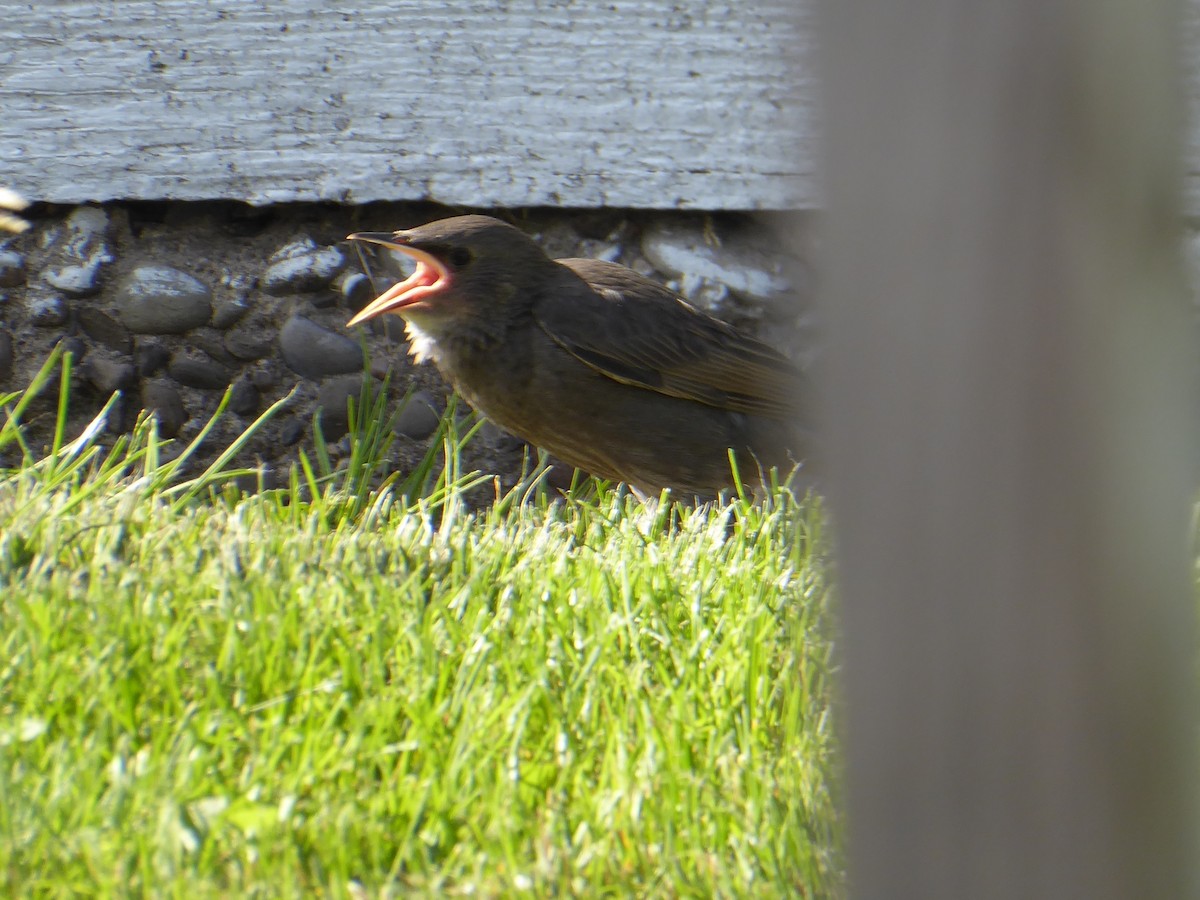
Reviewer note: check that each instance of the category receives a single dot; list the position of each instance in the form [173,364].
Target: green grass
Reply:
[358,687]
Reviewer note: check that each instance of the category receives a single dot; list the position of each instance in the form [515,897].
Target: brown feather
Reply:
[637,332]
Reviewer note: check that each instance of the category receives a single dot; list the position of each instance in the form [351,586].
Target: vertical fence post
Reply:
[1010,416]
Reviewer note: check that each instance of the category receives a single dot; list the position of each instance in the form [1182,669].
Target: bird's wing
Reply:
[637,332]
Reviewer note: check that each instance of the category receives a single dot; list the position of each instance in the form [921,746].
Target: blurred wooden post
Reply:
[1010,411]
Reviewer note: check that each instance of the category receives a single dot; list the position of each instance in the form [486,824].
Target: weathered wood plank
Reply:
[633,103]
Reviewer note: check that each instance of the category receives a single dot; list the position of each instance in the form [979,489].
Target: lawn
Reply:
[357,686]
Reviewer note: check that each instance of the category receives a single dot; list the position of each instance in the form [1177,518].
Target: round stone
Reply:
[602,250]
[390,327]
[244,398]
[47,311]
[71,344]
[248,343]
[87,223]
[333,403]
[419,417]
[266,374]
[240,283]
[212,342]
[195,370]
[12,268]
[299,247]
[109,375]
[314,352]
[85,234]
[230,311]
[149,357]
[303,272]
[711,296]
[163,400]
[74,281]
[119,419]
[101,327]
[739,259]
[355,290]
[80,250]
[163,300]
[290,432]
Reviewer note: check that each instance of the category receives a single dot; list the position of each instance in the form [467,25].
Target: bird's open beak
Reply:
[430,276]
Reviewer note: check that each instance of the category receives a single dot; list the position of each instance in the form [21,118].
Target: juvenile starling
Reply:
[605,369]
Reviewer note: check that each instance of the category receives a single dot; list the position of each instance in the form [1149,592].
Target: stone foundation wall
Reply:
[172,303]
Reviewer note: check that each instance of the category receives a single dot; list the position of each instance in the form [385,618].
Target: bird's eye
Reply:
[459,257]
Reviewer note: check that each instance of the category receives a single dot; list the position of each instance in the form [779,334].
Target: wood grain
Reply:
[634,103]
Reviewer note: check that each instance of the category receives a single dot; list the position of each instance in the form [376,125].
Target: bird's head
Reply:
[472,273]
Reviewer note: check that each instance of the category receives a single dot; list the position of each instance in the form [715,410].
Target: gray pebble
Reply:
[12,268]
[82,249]
[212,342]
[355,290]
[71,344]
[100,326]
[740,259]
[6,355]
[290,432]
[119,419]
[266,374]
[74,281]
[109,375]
[248,343]
[162,399]
[313,351]
[149,357]
[85,225]
[390,327]
[642,267]
[333,403]
[710,296]
[163,300]
[198,371]
[240,283]
[419,418]
[300,247]
[228,312]
[244,398]
[602,250]
[302,268]
[47,311]
[340,449]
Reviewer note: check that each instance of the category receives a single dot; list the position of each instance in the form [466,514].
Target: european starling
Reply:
[605,369]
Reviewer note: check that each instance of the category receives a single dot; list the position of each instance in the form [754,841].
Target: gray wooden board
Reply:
[628,103]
